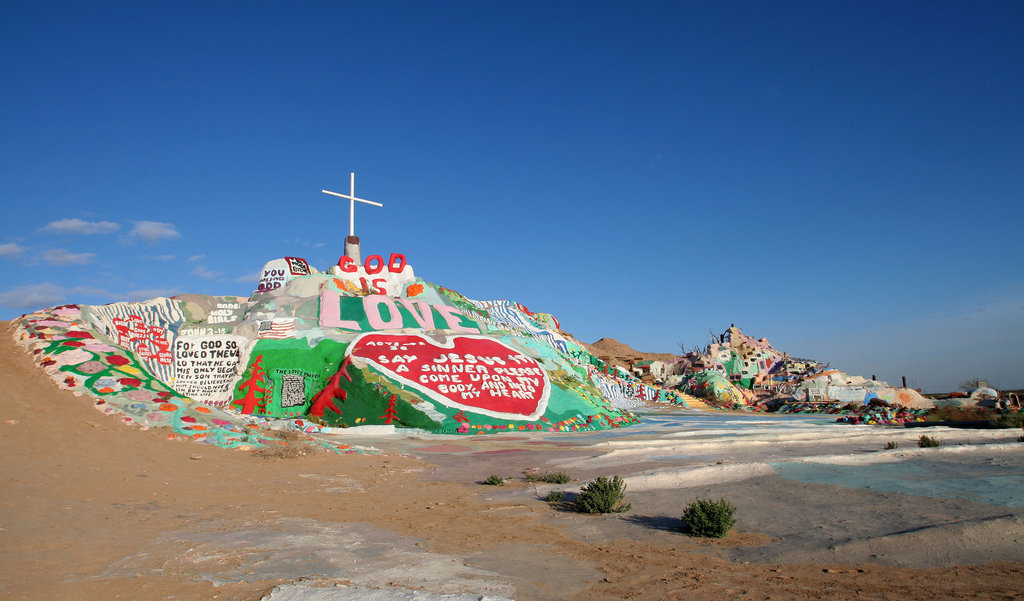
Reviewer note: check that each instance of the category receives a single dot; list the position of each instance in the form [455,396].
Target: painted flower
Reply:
[106,385]
[78,334]
[91,367]
[139,395]
[118,360]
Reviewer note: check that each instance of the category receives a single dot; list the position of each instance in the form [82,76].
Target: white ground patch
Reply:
[296,549]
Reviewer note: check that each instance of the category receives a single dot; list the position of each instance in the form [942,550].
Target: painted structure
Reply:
[369,343]
[359,345]
[738,369]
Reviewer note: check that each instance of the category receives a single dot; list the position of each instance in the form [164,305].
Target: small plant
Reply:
[892,444]
[494,480]
[280,444]
[556,478]
[927,441]
[956,413]
[533,475]
[1010,419]
[709,519]
[603,496]
[555,496]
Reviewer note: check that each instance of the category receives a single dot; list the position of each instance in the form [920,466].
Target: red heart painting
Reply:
[474,373]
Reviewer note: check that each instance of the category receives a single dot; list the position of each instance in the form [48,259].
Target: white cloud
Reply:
[249,278]
[195,258]
[141,295]
[33,296]
[11,250]
[202,272]
[154,231]
[62,256]
[159,257]
[77,226]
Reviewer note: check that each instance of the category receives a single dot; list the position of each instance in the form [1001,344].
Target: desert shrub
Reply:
[892,444]
[279,444]
[550,477]
[927,441]
[1010,419]
[709,519]
[555,496]
[494,480]
[957,413]
[280,450]
[603,496]
[556,478]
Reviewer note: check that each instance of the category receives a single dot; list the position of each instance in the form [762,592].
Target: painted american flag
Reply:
[277,328]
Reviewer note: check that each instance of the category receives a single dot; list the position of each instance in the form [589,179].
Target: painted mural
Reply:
[369,343]
[358,344]
[739,370]
[376,275]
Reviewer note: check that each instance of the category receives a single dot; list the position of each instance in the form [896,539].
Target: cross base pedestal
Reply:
[352,248]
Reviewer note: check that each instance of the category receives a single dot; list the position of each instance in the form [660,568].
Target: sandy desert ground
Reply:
[95,510]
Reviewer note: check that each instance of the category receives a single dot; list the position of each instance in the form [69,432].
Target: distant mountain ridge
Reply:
[622,354]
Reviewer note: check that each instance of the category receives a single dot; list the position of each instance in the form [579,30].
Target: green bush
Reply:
[556,478]
[550,477]
[494,480]
[709,519]
[1010,419]
[892,444]
[555,496]
[603,496]
[956,413]
[927,441]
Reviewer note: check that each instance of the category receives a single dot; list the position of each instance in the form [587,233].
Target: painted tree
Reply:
[251,385]
[461,417]
[390,415]
[325,398]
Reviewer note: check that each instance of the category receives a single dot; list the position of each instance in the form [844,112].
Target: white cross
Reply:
[352,200]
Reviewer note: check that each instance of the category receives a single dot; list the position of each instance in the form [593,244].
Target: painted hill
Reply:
[737,369]
[368,344]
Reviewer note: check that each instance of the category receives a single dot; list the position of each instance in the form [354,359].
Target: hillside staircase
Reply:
[693,402]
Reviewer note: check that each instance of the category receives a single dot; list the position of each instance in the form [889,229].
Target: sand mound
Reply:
[623,354]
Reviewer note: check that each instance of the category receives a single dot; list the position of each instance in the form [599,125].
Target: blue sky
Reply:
[845,179]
